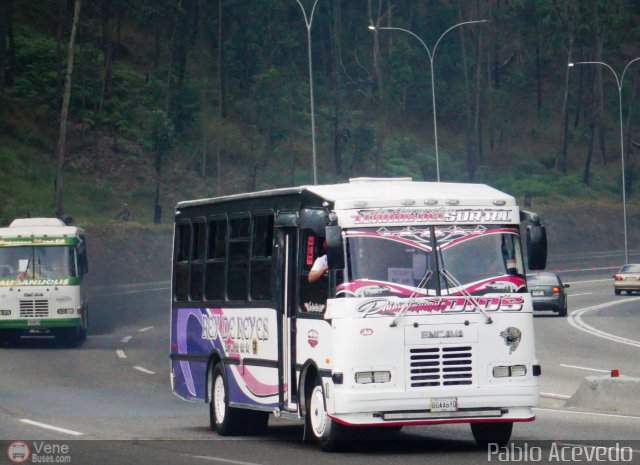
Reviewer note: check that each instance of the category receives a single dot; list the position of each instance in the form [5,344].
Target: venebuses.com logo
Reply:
[18,452]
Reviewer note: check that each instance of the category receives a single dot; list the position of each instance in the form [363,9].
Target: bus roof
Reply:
[38,227]
[385,191]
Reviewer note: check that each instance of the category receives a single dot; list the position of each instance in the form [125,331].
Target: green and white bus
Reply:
[43,262]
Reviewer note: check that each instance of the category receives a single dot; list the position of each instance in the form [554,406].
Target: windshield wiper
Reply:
[43,271]
[18,278]
[423,282]
[449,276]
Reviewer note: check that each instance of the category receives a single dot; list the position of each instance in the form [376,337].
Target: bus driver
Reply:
[320,266]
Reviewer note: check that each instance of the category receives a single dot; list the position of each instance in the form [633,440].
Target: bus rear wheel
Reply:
[323,429]
[492,433]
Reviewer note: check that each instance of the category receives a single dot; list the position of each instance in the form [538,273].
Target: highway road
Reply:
[110,400]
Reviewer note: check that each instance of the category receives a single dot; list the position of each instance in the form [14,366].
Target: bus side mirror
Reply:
[537,247]
[335,250]
[84,263]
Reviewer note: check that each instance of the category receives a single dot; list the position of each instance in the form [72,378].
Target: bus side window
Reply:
[237,281]
[216,253]
[183,249]
[262,246]
[196,274]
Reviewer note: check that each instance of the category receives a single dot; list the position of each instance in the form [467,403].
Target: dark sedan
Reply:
[548,292]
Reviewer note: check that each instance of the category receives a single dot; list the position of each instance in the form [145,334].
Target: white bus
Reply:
[422,318]
[42,267]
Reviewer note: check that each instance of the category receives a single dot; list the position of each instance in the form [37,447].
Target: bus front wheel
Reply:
[492,433]
[226,420]
[325,431]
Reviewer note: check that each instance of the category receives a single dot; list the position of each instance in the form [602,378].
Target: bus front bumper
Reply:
[514,405]
[40,323]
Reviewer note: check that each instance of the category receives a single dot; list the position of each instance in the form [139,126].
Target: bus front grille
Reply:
[440,366]
[34,308]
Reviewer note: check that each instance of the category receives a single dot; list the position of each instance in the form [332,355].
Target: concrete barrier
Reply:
[607,394]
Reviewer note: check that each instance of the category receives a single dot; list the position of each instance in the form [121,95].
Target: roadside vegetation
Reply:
[180,99]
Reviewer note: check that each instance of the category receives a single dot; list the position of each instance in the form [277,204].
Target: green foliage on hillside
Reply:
[176,99]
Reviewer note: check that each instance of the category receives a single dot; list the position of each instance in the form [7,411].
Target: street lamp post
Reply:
[432,56]
[619,83]
[308,21]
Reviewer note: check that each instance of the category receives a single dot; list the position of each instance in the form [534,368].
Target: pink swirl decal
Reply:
[257,388]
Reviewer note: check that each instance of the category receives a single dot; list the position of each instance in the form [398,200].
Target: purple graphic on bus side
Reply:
[196,332]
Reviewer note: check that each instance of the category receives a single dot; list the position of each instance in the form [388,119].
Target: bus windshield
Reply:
[476,260]
[41,262]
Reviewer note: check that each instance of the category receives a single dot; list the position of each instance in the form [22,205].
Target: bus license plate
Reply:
[449,404]
[32,322]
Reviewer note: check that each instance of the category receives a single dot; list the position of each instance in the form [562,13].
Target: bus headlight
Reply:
[518,370]
[367,377]
[509,371]
[66,311]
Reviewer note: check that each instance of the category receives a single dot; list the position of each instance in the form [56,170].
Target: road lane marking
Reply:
[219,459]
[145,329]
[144,370]
[593,268]
[95,289]
[583,293]
[590,281]
[112,294]
[126,339]
[575,320]
[551,395]
[612,415]
[51,427]
[121,353]
[585,368]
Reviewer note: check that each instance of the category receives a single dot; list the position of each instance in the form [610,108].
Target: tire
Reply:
[617,291]
[563,310]
[322,429]
[227,421]
[85,325]
[70,337]
[492,433]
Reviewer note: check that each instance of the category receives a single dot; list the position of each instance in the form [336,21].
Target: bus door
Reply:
[287,241]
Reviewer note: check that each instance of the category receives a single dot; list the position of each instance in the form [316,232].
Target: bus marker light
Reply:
[615,373]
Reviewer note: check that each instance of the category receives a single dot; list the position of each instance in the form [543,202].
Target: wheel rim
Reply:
[219,405]
[317,412]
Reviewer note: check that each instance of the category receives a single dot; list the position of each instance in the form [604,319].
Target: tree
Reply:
[62,133]
[159,140]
